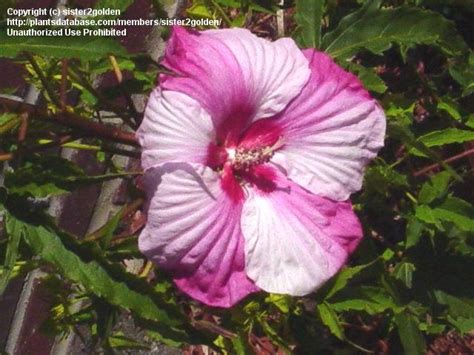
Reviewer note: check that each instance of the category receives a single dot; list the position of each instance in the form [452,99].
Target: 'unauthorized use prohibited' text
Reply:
[90,22]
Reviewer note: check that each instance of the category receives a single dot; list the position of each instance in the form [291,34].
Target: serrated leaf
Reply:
[414,230]
[329,318]
[370,299]
[104,66]
[239,345]
[199,10]
[282,302]
[369,78]
[425,213]
[348,21]
[91,275]
[450,107]
[462,324]
[113,4]
[435,188]
[14,236]
[381,178]
[403,133]
[273,334]
[457,211]
[52,175]
[453,210]
[404,272]
[457,307]
[377,30]
[338,282]
[85,266]
[447,136]
[410,336]
[442,137]
[308,18]
[87,48]
[463,73]
[267,7]
[8,122]
[470,121]
[105,233]
[122,342]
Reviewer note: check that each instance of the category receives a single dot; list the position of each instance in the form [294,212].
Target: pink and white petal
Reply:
[294,240]
[235,75]
[331,131]
[274,72]
[193,231]
[175,128]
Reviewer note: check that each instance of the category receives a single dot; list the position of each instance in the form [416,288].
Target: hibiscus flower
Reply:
[251,150]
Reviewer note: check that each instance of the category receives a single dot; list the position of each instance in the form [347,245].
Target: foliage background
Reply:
[409,288]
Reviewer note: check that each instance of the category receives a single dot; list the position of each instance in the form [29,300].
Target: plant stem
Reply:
[119,76]
[146,270]
[102,101]
[43,79]
[116,68]
[221,12]
[19,153]
[129,209]
[63,87]
[449,160]
[87,127]
[22,136]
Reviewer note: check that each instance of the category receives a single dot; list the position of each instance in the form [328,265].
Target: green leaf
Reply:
[460,310]
[450,107]
[239,343]
[463,73]
[457,307]
[8,122]
[414,230]
[370,299]
[51,175]
[412,339]
[340,281]
[308,17]
[400,131]
[282,302]
[381,178]
[376,30]
[447,136]
[348,21]
[442,137]
[329,318]
[369,78]
[106,232]
[425,214]
[103,66]
[14,233]
[453,210]
[404,272]
[268,7]
[462,324]
[85,266]
[457,211]
[435,188]
[199,10]
[113,4]
[87,48]
[273,334]
[91,274]
[470,121]
[120,341]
